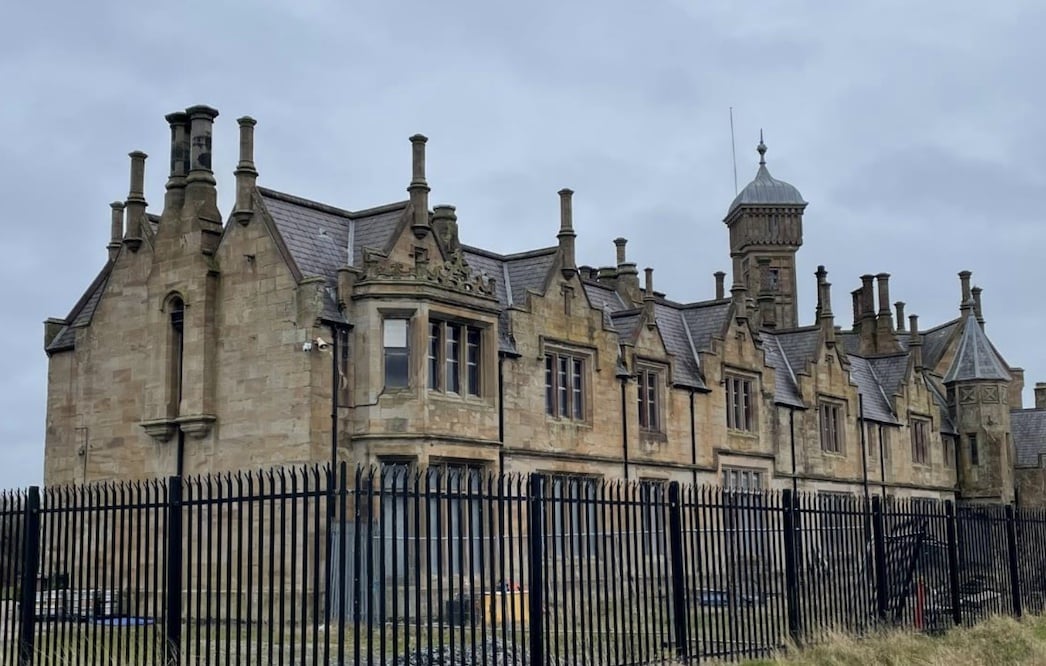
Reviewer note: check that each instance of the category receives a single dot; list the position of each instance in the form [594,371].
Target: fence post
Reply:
[791,525]
[953,561]
[30,566]
[173,588]
[1015,576]
[882,600]
[536,553]
[675,531]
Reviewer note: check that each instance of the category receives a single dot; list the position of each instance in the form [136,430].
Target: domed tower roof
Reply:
[765,190]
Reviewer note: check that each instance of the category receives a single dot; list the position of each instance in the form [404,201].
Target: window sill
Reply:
[458,398]
[652,436]
[834,454]
[559,420]
[749,434]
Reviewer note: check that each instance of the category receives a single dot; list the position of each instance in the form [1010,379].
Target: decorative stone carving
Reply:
[162,430]
[454,273]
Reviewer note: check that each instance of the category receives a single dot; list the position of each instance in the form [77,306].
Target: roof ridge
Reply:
[302,201]
[515,256]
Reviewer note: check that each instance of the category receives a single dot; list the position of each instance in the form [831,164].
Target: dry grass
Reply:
[996,642]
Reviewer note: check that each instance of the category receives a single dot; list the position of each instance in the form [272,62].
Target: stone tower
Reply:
[977,383]
[766,230]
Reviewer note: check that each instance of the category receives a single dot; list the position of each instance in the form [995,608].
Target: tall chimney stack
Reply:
[856,294]
[246,173]
[821,275]
[619,244]
[648,284]
[136,203]
[915,342]
[627,275]
[899,306]
[419,187]
[1040,395]
[115,229]
[720,287]
[868,318]
[977,312]
[827,319]
[885,342]
[200,183]
[738,293]
[175,196]
[566,233]
[967,298]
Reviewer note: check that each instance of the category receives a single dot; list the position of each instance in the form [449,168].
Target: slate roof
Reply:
[705,320]
[678,343]
[890,371]
[82,312]
[604,298]
[786,386]
[528,270]
[877,404]
[935,342]
[1028,427]
[975,357]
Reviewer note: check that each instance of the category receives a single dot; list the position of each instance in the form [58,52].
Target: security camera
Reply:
[306,346]
[322,344]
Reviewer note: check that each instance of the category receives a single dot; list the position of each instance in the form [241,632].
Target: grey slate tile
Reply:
[1028,427]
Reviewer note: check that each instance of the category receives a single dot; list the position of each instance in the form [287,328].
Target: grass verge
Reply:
[999,641]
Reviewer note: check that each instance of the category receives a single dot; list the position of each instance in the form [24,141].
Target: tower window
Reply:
[396,353]
[177,348]
[975,458]
[773,277]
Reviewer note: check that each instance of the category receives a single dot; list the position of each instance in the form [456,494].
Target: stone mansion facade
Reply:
[293,331]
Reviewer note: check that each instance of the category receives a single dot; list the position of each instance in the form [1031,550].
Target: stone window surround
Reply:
[645,371]
[835,407]
[916,423]
[466,327]
[407,315]
[748,404]
[555,352]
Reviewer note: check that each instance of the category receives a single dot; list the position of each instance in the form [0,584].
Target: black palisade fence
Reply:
[453,565]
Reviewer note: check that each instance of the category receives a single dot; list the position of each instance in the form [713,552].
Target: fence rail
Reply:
[451,565]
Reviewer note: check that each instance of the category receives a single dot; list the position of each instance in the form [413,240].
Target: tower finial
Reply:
[762,149]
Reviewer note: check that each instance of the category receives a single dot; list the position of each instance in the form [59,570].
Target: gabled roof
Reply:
[786,386]
[678,343]
[1028,427]
[935,342]
[82,312]
[975,358]
[705,321]
[877,404]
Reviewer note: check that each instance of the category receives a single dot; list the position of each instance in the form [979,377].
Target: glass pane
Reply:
[434,345]
[396,368]
[550,388]
[395,333]
[454,359]
[577,398]
[564,387]
[473,361]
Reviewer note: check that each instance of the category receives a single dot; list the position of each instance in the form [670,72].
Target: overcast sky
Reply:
[913,129]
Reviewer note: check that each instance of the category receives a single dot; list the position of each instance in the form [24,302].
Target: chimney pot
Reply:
[620,244]
[566,233]
[899,306]
[915,342]
[246,173]
[201,125]
[648,282]
[1040,395]
[964,282]
[115,228]
[720,287]
[175,195]
[856,294]
[827,319]
[867,297]
[884,293]
[976,291]
[419,188]
[137,188]
[136,203]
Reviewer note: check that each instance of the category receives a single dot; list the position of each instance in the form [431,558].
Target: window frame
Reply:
[746,403]
[832,426]
[972,445]
[448,356]
[649,382]
[920,429]
[389,351]
[566,385]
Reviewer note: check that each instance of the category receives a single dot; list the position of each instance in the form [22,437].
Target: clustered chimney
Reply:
[136,203]
[720,288]
[419,188]
[626,276]
[1040,395]
[566,233]
[246,173]
[874,325]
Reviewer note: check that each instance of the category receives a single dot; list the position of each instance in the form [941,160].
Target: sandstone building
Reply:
[294,332]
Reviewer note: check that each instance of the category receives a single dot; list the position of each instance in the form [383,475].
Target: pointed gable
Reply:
[975,358]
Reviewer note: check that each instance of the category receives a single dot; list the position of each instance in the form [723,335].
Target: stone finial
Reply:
[419,187]
[115,229]
[899,307]
[136,203]
[720,287]
[566,233]
[246,173]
